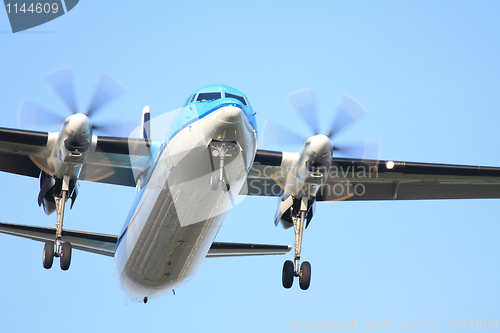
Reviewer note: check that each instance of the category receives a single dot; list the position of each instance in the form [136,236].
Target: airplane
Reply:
[186,183]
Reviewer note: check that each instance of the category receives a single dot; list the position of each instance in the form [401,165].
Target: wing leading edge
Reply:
[380,180]
[105,244]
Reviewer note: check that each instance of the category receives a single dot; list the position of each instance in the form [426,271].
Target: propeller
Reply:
[348,110]
[302,101]
[61,82]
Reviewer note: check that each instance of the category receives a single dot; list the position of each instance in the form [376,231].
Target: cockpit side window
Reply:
[190,99]
[208,97]
[239,98]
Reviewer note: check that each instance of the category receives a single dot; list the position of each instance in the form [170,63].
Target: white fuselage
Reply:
[177,214]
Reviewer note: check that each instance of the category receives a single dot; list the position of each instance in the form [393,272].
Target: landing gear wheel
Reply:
[65,256]
[305,275]
[288,274]
[214,181]
[48,255]
[225,182]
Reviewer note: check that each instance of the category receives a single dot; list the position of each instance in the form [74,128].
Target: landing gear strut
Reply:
[58,248]
[291,269]
[221,150]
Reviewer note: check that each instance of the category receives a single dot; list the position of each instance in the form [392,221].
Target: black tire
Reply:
[48,255]
[225,182]
[305,275]
[65,256]
[214,180]
[288,274]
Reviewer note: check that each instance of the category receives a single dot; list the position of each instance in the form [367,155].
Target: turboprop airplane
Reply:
[186,183]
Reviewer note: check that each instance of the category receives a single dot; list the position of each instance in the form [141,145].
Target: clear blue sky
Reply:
[426,71]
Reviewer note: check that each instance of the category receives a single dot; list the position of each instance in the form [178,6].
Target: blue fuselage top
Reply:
[207,100]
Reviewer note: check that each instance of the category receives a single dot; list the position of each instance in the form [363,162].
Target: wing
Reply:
[85,241]
[219,249]
[19,150]
[380,180]
[394,180]
[268,172]
[111,160]
[116,161]
[106,244]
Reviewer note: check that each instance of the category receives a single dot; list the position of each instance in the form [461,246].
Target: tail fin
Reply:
[146,128]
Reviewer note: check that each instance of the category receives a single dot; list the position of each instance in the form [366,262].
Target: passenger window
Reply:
[239,98]
[208,97]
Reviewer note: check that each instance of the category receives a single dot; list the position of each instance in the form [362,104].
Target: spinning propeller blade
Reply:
[275,135]
[107,88]
[121,127]
[302,101]
[348,110]
[31,115]
[61,82]
[367,150]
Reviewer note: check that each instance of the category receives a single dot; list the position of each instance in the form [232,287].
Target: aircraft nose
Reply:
[230,115]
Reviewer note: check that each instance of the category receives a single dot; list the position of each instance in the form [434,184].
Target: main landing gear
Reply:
[58,248]
[291,269]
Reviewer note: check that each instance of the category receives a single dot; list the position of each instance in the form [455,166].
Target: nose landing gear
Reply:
[221,150]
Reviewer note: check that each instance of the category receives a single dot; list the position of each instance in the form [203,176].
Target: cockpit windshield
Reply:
[208,97]
[239,98]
